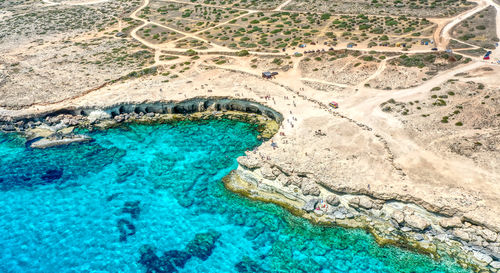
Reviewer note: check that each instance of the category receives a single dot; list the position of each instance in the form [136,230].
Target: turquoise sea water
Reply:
[149,199]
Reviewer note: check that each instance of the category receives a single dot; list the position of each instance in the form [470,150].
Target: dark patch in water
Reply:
[132,208]
[113,196]
[126,229]
[201,246]
[51,175]
[155,264]
[43,167]
[177,257]
[247,265]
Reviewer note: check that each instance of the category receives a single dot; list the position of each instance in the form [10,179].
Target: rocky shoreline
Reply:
[55,129]
[390,220]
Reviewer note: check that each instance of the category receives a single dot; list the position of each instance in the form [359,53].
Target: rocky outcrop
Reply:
[416,221]
[452,222]
[186,107]
[333,200]
[310,188]
[310,205]
[55,129]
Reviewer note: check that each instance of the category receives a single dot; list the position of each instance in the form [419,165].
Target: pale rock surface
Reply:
[249,162]
[461,234]
[267,172]
[417,222]
[354,202]
[452,222]
[98,115]
[495,264]
[310,205]
[310,188]
[483,257]
[332,200]
[488,235]
[398,216]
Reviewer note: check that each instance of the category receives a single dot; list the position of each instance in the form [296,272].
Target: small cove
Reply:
[149,197]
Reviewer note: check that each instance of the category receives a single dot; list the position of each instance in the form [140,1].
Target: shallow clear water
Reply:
[150,198]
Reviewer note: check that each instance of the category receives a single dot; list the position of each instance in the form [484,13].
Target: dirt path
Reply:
[146,22]
[364,107]
[209,5]
[380,69]
[282,5]
[445,32]
[326,82]
[209,28]
[441,35]
[74,3]
[443,29]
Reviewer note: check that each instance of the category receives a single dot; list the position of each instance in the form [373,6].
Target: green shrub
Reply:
[368,58]
[242,53]
[191,52]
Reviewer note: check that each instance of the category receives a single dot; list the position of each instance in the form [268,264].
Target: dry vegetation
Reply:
[412,70]
[157,35]
[49,72]
[274,31]
[242,4]
[422,8]
[33,20]
[345,67]
[479,29]
[187,18]
[460,117]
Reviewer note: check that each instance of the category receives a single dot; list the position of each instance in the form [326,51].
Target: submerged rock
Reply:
[175,257]
[126,229]
[51,175]
[132,208]
[8,128]
[257,230]
[247,265]
[113,196]
[153,263]
[203,244]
